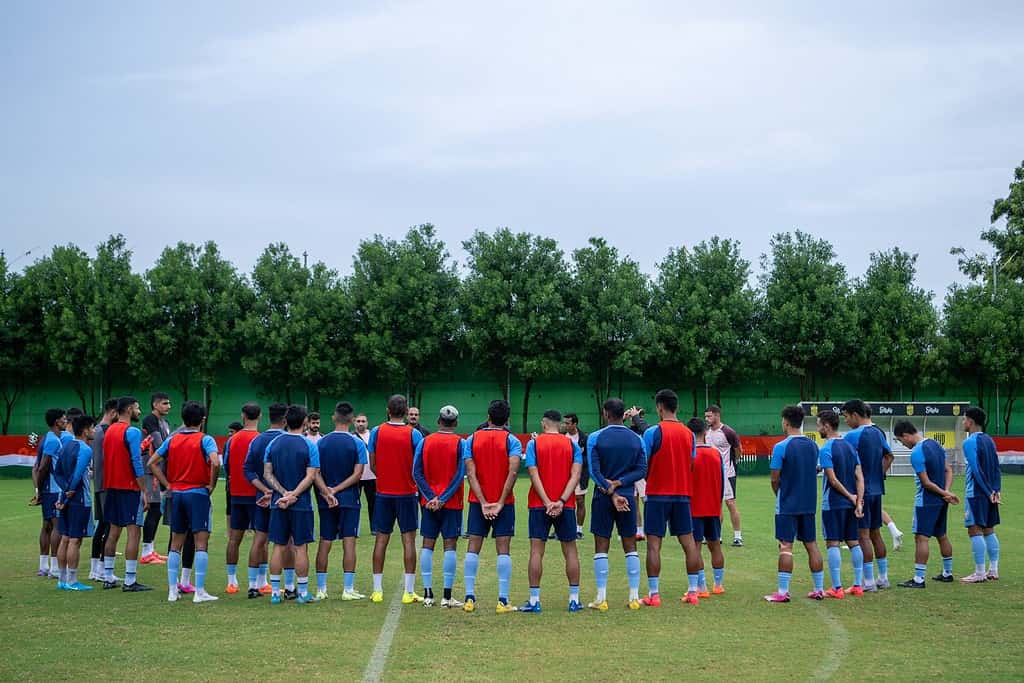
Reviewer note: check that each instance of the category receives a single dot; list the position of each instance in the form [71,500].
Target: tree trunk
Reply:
[1011,398]
[288,394]
[696,398]
[208,393]
[600,404]
[803,387]
[527,388]
[981,393]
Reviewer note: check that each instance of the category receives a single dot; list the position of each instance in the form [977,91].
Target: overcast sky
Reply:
[651,124]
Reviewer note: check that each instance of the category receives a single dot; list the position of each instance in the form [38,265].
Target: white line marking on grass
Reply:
[838,645]
[379,659]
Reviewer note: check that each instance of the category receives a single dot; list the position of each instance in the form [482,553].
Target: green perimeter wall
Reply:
[752,408]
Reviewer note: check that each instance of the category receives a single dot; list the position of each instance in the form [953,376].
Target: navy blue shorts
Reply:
[930,520]
[661,515]
[981,512]
[839,525]
[75,521]
[872,518]
[48,504]
[295,526]
[503,525]
[445,523]
[190,512]
[389,509]
[604,517]
[799,527]
[339,522]
[706,529]
[564,524]
[121,508]
[245,516]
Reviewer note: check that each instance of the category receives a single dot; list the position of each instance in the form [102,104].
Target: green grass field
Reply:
[949,631]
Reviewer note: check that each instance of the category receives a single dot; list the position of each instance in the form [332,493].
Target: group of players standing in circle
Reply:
[282,477]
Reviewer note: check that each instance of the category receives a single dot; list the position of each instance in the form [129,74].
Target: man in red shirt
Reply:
[670,453]
[706,505]
[243,494]
[391,447]
[555,465]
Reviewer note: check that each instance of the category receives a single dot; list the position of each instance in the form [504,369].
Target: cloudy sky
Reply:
[651,124]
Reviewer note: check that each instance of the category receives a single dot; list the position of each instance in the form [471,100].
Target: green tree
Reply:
[407,318]
[808,321]
[705,313]
[189,312]
[64,287]
[1009,242]
[982,328]
[21,348]
[611,302]
[895,321]
[515,307]
[298,331]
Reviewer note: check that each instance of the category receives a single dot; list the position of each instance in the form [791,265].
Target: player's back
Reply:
[871,447]
[670,452]
[254,457]
[982,470]
[553,455]
[290,455]
[708,482]
[441,460]
[491,448]
[393,445]
[616,450]
[118,472]
[928,456]
[188,464]
[235,452]
[796,458]
[839,456]
[340,452]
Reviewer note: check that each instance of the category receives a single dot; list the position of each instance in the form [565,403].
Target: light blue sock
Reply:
[262,574]
[303,586]
[633,570]
[321,581]
[693,581]
[350,581]
[253,576]
[601,571]
[427,567]
[702,581]
[992,545]
[62,574]
[819,580]
[173,567]
[108,568]
[275,584]
[233,573]
[835,566]
[883,567]
[201,564]
[869,572]
[448,566]
[978,551]
[947,566]
[469,569]
[857,558]
[784,578]
[534,595]
[504,576]
[652,584]
[289,578]
[919,570]
[719,574]
[574,593]
[130,570]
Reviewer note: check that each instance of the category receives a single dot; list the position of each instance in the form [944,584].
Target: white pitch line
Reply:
[379,659]
[838,647]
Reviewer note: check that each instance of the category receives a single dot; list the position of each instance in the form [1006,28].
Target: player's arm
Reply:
[133,439]
[637,470]
[531,468]
[81,467]
[515,453]
[252,468]
[306,482]
[971,458]
[859,474]
[887,455]
[213,458]
[357,471]
[594,453]
[837,485]
[154,463]
[574,477]
[45,465]
[949,475]
[735,445]
[775,466]
[419,476]
[268,473]
[456,482]
[372,447]
[930,486]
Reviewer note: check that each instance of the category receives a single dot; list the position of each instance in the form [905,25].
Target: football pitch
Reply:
[948,631]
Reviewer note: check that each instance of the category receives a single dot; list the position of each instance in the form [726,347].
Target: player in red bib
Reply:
[555,465]
[706,506]
[243,493]
[391,447]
